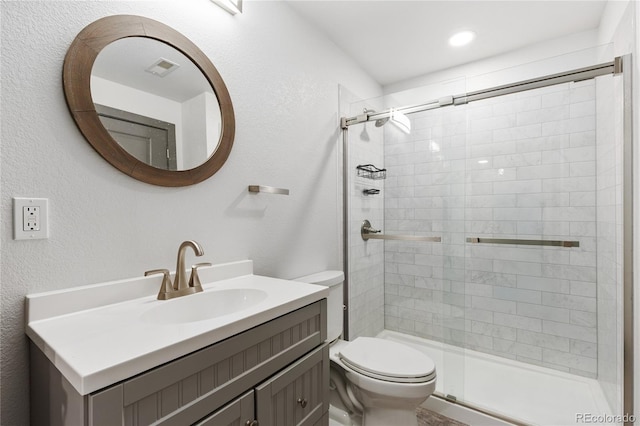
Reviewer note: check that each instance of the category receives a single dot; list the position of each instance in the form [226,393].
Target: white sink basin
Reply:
[203,306]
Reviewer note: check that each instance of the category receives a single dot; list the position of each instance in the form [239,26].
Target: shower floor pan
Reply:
[522,392]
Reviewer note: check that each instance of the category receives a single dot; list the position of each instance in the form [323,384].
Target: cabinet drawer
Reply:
[237,412]
[298,395]
[187,389]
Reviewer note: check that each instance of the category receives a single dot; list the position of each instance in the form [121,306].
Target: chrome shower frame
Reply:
[621,65]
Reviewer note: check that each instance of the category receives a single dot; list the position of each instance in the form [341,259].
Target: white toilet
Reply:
[381,380]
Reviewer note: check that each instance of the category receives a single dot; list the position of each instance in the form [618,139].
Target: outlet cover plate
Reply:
[20,229]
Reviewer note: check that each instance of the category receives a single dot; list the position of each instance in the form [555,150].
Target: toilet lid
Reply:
[387,360]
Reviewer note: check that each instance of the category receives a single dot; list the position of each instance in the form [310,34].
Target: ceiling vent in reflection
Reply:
[162,67]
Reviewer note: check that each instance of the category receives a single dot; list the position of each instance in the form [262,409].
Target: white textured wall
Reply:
[283,79]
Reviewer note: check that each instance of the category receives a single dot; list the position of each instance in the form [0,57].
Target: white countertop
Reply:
[96,336]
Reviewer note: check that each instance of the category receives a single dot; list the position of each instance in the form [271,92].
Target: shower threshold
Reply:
[525,393]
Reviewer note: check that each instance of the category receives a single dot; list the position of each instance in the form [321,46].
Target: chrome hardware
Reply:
[553,243]
[166,286]
[617,65]
[451,398]
[371,191]
[194,281]
[268,189]
[447,100]
[346,122]
[302,402]
[252,423]
[367,229]
[612,67]
[367,233]
[181,285]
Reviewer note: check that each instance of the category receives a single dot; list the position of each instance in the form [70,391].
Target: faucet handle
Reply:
[194,281]
[166,288]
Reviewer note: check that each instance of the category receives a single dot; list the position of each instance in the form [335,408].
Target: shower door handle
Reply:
[552,243]
[369,233]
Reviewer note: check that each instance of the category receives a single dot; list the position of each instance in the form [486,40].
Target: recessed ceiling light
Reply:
[462,38]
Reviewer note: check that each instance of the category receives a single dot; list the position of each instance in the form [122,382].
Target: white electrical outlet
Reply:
[30,218]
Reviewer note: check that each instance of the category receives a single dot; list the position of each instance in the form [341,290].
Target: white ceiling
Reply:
[394,40]
[124,61]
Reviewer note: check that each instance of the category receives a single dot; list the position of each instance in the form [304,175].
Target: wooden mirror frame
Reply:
[76,79]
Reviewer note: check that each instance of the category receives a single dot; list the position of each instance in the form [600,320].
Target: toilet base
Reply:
[388,416]
[376,417]
[340,417]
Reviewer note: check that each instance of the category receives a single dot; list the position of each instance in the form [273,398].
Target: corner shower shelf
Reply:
[369,171]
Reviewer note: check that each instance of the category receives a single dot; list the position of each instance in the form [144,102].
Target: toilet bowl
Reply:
[381,380]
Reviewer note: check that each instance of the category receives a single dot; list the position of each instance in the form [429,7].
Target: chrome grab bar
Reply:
[367,233]
[555,243]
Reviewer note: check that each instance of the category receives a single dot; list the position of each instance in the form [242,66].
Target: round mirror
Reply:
[149,101]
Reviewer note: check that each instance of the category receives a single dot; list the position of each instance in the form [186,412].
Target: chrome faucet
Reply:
[181,285]
[180,282]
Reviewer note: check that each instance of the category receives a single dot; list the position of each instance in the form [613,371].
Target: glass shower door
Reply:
[537,190]
[429,200]
[423,196]
[408,291]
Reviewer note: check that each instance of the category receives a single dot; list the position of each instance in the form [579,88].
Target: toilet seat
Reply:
[387,360]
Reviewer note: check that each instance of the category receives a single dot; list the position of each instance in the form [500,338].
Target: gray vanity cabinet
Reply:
[276,373]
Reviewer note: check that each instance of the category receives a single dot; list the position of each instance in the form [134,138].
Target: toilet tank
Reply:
[334,280]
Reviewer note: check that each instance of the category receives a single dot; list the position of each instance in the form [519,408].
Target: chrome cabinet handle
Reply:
[302,402]
[252,423]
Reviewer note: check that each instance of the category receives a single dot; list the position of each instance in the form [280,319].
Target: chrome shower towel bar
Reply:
[555,243]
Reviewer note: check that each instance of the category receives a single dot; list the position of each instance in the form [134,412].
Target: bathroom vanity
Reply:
[137,361]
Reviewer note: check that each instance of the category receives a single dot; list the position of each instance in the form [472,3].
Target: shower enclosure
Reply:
[503,216]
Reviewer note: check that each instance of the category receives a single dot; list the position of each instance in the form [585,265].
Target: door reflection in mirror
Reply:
[149,140]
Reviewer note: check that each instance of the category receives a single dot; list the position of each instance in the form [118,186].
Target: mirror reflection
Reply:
[156,103]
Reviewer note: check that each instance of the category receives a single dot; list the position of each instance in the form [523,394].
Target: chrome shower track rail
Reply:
[586,73]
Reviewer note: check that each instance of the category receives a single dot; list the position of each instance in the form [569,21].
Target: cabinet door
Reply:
[298,395]
[239,412]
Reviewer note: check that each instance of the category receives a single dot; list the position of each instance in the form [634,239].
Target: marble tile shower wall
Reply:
[519,166]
